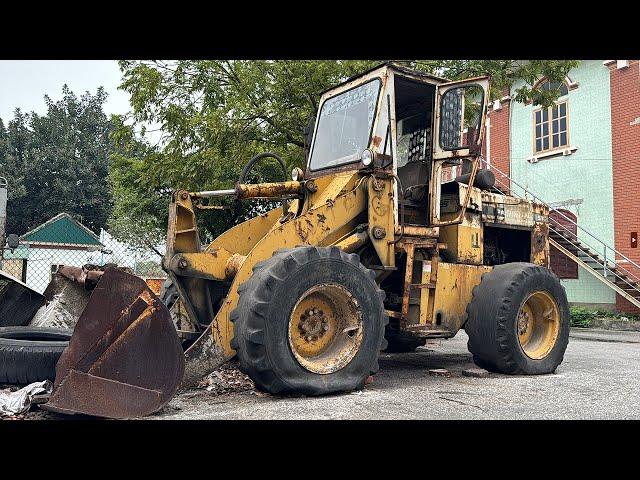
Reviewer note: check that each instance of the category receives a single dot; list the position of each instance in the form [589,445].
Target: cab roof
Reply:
[399,69]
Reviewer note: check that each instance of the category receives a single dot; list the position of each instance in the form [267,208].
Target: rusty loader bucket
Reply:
[124,359]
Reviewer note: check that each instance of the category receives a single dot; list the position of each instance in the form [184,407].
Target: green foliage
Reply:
[216,114]
[584,317]
[57,162]
[149,268]
[504,74]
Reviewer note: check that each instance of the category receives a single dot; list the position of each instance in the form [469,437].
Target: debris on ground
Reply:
[475,372]
[439,372]
[17,402]
[227,379]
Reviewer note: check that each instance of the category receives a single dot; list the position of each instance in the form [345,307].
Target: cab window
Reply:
[344,126]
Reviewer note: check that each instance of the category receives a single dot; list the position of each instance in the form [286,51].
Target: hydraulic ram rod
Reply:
[257,190]
[213,193]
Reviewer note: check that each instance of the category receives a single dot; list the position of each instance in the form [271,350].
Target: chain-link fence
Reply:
[64,240]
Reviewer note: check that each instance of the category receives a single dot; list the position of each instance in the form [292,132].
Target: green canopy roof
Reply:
[62,231]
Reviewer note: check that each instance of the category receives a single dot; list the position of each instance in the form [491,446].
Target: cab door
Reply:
[460,111]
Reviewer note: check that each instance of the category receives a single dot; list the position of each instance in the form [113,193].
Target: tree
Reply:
[13,146]
[215,115]
[58,162]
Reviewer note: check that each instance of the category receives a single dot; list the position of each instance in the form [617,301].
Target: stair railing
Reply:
[603,246]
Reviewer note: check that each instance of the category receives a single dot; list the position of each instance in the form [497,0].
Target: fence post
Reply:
[3,217]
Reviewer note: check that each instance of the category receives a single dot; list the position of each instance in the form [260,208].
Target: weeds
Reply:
[583,317]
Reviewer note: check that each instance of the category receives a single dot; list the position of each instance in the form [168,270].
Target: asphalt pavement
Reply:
[599,379]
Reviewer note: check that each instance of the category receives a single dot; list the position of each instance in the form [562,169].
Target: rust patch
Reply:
[539,244]
[154,284]
[376,141]
[267,190]
[302,233]
[119,365]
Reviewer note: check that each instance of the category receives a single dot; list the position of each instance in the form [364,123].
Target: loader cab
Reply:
[439,128]
[423,124]
[414,108]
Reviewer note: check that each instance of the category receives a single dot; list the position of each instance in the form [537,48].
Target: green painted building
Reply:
[564,155]
[62,240]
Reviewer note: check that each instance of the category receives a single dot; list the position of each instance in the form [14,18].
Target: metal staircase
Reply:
[596,257]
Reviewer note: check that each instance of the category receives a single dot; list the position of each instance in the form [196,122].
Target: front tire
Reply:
[518,320]
[309,321]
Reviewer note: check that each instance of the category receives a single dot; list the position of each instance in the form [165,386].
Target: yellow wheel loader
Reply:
[391,235]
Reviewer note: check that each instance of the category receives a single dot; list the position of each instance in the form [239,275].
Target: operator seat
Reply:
[414,177]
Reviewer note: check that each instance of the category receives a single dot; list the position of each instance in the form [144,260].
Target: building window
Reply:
[551,130]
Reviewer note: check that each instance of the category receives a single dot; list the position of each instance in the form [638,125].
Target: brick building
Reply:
[582,156]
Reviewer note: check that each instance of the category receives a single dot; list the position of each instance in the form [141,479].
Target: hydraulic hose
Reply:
[256,159]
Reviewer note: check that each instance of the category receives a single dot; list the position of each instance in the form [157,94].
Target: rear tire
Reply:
[272,309]
[518,320]
[30,354]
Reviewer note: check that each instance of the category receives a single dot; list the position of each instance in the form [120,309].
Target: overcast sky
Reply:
[23,83]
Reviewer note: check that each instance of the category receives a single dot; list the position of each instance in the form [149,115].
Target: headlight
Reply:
[297,174]
[367,157]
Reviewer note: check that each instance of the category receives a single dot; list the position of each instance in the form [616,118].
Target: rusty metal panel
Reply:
[243,237]
[475,196]
[154,284]
[540,244]
[465,242]
[453,293]
[124,358]
[324,223]
[381,218]
[510,211]
[212,264]
[18,302]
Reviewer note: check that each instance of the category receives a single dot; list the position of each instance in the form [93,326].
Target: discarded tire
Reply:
[30,354]
[518,320]
[309,321]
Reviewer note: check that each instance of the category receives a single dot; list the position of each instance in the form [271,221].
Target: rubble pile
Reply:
[227,379]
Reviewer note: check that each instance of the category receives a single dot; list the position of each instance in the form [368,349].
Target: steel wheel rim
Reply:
[538,325]
[325,329]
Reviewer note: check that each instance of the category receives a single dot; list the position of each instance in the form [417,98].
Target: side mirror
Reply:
[308,136]
[308,130]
